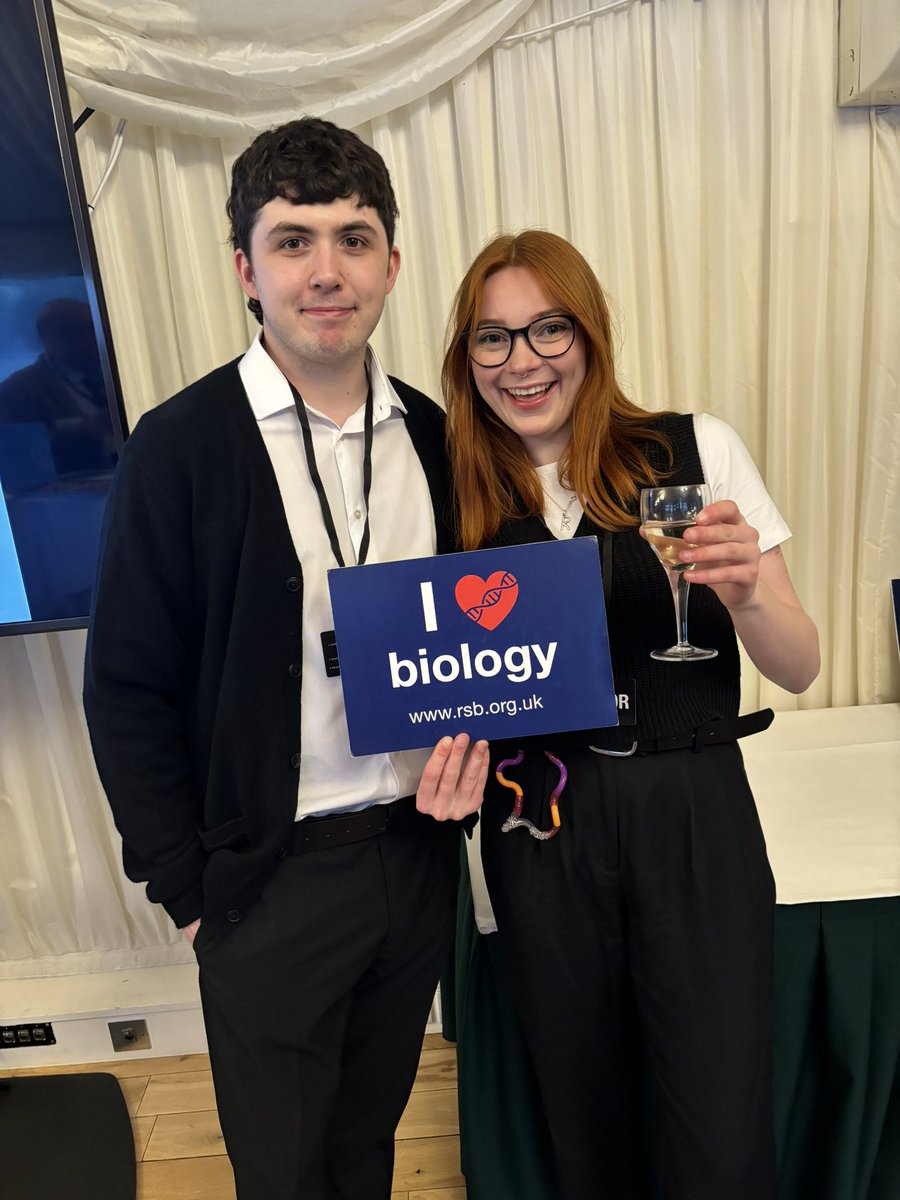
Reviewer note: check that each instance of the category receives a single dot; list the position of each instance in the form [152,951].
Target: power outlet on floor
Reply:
[38,1033]
[129,1035]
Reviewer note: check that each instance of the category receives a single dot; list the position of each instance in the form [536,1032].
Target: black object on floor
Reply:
[65,1135]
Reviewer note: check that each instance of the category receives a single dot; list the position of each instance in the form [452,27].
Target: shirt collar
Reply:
[269,392]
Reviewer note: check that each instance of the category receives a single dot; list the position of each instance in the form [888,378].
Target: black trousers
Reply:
[638,943]
[315,1008]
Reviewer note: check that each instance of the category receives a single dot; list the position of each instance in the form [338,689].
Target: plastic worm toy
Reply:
[515,818]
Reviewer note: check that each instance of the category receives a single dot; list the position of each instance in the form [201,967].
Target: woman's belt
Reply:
[710,733]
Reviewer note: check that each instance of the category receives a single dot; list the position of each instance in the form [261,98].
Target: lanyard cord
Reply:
[607,565]
[316,478]
[606,558]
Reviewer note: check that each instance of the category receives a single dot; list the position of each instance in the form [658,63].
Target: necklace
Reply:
[566,523]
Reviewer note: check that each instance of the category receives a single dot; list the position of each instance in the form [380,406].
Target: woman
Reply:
[638,942]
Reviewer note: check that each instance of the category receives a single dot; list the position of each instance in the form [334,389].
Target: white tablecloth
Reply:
[827,786]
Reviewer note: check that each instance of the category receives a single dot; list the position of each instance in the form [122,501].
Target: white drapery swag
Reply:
[227,69]
[748,234]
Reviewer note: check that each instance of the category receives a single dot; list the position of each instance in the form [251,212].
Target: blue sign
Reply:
[493,643]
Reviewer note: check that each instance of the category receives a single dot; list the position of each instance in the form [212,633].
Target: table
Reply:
[826,785]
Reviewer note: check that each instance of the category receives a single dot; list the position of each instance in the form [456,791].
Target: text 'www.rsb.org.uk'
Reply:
[476,709]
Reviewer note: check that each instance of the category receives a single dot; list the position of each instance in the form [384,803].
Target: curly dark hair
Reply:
[308,161]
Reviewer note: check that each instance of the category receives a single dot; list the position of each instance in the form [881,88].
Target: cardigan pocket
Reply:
[228,835]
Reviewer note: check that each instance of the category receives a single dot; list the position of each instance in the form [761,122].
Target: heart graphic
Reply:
[489,601]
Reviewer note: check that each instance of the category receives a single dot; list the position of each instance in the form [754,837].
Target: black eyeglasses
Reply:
[548,337]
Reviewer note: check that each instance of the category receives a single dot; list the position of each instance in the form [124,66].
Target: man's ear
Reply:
[244,269]
[393,270]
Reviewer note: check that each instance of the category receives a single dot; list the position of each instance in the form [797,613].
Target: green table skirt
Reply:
[836,1059]
[837,1050]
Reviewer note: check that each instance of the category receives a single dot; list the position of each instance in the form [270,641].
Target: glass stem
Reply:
[680,584]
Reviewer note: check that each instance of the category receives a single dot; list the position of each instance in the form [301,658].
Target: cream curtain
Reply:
[65,906]
[229,69]
[745,228]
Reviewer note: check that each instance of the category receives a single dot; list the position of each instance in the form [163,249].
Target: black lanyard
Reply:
[317,478]
[607,552]
[606,558]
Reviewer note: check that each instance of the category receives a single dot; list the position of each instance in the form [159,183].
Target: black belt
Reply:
[343,829]
[711,733]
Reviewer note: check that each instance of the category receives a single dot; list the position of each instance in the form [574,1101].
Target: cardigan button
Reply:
[233,915]
[292,583]
[294,670]
[295,761]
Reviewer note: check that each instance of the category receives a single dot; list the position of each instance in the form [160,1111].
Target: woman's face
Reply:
[534,396]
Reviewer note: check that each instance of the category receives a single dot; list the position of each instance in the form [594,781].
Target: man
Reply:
[216,719]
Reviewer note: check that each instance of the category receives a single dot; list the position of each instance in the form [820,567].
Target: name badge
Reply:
[626,703]
[330,653]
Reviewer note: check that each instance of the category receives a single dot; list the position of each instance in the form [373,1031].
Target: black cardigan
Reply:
[193,670]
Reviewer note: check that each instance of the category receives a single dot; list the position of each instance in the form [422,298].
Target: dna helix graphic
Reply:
[492,596]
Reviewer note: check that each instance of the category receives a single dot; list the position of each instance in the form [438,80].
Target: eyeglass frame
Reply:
[514,333]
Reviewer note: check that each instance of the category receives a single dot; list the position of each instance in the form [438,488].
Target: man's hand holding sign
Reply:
[453,780]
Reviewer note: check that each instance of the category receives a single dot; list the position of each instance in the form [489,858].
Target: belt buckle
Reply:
[615,753]
[705,733]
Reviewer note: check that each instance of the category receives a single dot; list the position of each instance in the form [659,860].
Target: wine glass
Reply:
[666,512]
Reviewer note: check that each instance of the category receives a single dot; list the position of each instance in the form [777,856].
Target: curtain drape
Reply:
[747,231]
[65,906]
[229,69]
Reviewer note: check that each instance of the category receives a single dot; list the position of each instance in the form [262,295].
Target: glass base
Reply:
[683,653]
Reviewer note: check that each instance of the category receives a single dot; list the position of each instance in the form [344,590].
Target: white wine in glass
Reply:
[666,512]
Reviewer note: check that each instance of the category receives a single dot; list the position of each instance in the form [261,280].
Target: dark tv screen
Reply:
[61,417]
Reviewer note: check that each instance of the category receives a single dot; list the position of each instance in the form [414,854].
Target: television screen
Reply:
[61,418]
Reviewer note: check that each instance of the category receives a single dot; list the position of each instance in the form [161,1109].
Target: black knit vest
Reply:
[667,697]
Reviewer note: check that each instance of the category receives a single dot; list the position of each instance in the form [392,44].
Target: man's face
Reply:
[321,273]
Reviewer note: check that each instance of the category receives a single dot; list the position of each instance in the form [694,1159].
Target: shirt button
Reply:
[295,761]
[292,584]
[357,513]
[294,670]
[233,915]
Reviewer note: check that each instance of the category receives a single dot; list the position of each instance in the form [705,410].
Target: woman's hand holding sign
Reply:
[453,781]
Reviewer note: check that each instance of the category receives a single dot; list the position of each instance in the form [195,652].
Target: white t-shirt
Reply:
[733,475]
[727,468]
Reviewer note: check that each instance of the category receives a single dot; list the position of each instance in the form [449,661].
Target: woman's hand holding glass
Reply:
[698,541]
[724,551]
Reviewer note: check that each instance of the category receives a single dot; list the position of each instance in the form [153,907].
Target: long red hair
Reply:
[605,461]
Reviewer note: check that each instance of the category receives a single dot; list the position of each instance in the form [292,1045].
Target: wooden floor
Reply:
[179,1148]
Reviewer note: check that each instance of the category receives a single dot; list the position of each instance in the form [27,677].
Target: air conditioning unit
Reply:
[868,52]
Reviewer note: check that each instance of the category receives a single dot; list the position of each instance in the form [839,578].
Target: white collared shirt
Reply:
[401,526]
